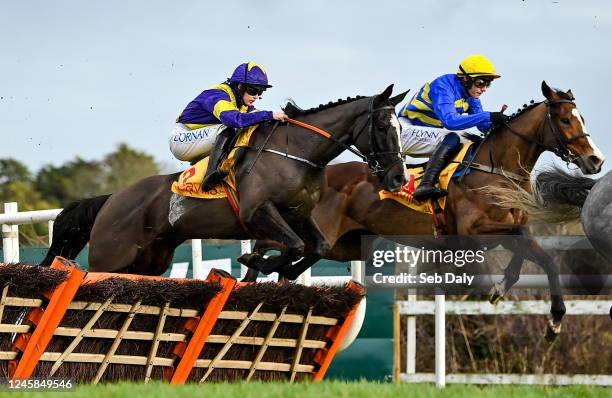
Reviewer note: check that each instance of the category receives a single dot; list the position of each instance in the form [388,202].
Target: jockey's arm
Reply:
[443,101]
[475,108]
[225,110]
[235,118]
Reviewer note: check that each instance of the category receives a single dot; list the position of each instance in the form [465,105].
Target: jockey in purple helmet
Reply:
[216,113]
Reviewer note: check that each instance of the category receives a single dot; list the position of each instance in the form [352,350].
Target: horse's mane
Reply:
[520,111]
[532,104]
[526,107]
[292,109]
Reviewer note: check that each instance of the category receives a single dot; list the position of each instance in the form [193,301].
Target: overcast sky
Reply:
[77,78]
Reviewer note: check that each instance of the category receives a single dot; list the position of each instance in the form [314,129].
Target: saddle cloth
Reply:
[189,182]
[404,196]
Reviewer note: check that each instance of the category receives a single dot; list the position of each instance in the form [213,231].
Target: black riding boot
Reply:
[213,174]
[439,158]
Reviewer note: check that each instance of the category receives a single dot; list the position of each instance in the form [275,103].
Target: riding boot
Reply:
[213,175]
[439,158]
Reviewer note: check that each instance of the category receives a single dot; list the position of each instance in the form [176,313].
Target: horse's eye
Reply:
[565,121]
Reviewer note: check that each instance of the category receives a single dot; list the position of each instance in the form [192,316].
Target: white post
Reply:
[245,247]
[356,271]
[440,341]
[10,236]
[411,330]
[196,259]
[51,222]
[411,337]
[305,279]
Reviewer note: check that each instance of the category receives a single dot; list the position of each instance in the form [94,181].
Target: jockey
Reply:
[449,103]
[219,111]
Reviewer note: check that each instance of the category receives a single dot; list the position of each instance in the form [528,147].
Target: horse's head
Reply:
[377,135]
[568,133]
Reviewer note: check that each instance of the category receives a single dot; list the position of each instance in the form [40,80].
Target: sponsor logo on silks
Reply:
[425,134]
[409,188]
[190,136]
[190,172]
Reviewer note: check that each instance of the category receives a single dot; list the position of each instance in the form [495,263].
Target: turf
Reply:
[336,389]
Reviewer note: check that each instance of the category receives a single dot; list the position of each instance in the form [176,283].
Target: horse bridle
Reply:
[371,158]
[562,149]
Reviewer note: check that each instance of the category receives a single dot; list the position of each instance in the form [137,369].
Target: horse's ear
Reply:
[570,94]
[383,97]
[398,98]
[548,92]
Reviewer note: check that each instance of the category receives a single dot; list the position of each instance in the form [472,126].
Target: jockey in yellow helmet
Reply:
[448,103]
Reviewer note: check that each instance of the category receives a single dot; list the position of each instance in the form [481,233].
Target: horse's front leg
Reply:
[254,260]
[526,248]
[265,222]
[512,271]
[532,251]
[317,247]
[535,253]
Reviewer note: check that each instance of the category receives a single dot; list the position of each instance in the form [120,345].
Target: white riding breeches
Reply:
[420,141]
[188,144]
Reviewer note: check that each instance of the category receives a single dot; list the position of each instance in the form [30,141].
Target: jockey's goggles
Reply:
[252,90]
[481,83]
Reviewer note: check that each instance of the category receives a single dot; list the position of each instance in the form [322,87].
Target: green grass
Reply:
[335,389]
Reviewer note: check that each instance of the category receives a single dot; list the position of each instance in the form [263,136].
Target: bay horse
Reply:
[279,180]
[350,206]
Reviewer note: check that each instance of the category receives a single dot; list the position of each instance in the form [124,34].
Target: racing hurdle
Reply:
[99,327]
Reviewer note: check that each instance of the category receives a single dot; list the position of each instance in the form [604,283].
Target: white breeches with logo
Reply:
[186,144]
[420,141]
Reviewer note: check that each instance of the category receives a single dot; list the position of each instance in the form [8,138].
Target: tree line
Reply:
[56,186]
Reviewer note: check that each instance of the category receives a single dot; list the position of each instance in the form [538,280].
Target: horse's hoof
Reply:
[497,294]
[287,276]
[245,258]
[496,298]
[552,331]
[248,258]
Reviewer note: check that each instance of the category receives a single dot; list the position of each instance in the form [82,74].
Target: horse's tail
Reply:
[556,196]
[72,228]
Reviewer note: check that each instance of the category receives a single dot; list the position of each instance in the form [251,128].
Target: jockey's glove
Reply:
[497,118]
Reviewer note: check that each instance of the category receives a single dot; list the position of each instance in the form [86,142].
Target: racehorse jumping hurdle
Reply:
[99,327]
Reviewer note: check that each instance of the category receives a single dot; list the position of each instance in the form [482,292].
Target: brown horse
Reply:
[350,206]
[279,181]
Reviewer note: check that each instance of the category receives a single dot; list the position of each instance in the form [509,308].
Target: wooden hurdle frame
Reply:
[45,318]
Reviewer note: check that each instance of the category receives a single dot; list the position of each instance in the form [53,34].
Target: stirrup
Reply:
[431,192]
[213,179]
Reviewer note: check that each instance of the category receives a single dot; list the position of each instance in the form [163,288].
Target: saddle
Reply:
[189,182]
[415,173]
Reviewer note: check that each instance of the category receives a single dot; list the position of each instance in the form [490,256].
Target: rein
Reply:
[369,158]
[328,136]
[561,150]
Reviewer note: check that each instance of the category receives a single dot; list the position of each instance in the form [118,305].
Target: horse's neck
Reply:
[513,153]
[337,121]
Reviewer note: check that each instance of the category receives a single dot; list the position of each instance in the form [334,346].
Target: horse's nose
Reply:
[596,160]
[592,164]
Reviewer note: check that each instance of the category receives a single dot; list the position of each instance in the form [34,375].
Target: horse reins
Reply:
[562,151]
[370,158]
